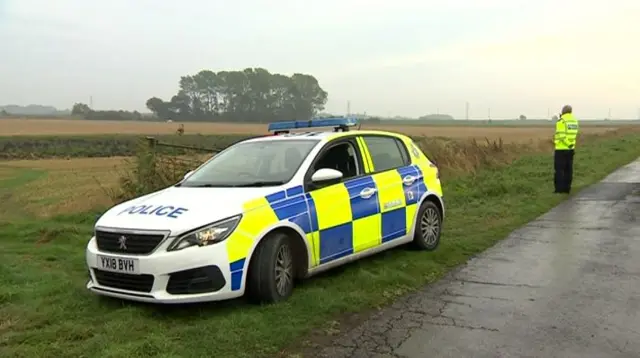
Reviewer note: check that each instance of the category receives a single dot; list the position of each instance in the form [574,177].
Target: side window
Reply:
[341,157]
[386,152]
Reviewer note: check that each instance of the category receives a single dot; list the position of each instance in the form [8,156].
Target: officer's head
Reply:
[567,109]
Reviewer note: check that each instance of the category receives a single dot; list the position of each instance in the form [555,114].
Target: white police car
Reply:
[267,211]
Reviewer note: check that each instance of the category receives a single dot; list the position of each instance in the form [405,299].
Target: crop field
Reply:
[57,175]
[67,127]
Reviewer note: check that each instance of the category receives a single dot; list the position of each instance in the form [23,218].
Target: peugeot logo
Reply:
[123,242]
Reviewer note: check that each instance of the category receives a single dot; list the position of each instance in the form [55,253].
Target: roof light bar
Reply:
[338,123]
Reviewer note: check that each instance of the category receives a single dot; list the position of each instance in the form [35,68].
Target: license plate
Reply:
[118,264]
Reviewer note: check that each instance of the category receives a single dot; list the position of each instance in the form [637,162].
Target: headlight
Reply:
[207,235]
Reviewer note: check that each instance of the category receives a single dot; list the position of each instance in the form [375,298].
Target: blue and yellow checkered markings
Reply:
[413,192]
[291,205]
[334,237]
[313,215]
[336,242]
[236,269]
[394,224]
[299,208]
[361,207]
[296,190]
[293,209]
[341,230]
[356,232]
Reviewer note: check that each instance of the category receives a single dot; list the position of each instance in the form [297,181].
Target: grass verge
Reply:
[45,310]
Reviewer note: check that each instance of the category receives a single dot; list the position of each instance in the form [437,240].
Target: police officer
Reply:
[565,144]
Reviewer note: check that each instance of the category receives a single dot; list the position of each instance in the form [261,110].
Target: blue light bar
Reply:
[339,122]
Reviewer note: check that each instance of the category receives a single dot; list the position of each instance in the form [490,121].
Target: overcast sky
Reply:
[398,57]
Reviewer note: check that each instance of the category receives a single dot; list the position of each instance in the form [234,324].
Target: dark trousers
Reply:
[563,165]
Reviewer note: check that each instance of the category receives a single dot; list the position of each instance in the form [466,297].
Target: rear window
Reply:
[386,152]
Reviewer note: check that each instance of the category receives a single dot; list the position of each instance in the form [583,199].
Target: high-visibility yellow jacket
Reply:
[566,132]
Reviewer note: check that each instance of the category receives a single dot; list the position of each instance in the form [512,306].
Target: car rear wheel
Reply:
[271,273]
[428,227]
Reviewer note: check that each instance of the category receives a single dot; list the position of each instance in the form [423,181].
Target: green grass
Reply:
[45,310]
[11,179]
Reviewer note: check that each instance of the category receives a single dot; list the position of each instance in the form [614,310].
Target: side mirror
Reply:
[187,175]
[324,175]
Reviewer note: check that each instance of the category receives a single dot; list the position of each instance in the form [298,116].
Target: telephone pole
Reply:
[466,111]
[348,108]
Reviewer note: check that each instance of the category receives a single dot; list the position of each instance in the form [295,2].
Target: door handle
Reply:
[366,193]
[408,180]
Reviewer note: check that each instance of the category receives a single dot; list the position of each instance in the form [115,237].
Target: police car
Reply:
[268,211]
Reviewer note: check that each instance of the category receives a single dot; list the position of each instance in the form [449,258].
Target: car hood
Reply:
[179,209]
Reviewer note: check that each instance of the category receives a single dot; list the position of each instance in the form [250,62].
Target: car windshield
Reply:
[252,164]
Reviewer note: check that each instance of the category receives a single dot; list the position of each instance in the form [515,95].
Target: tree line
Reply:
[250,95]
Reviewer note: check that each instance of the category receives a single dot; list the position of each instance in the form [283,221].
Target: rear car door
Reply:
[397,181]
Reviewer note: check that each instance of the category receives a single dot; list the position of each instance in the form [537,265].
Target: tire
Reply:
[429,217]
[268,281]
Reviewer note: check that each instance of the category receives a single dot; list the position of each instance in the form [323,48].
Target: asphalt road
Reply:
[565,285]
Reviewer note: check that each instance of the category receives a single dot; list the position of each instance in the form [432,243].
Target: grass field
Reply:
[57,186]
[45,311]
[57,127]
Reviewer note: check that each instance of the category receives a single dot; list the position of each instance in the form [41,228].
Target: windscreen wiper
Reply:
[259,184]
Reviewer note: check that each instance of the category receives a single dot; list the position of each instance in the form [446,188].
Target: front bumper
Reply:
[195,274]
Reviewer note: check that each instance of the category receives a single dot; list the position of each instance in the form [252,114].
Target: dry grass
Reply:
[78,164]
[84,127]
[65,186]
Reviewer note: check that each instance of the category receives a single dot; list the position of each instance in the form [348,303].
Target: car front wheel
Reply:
[271,273]
[428,227]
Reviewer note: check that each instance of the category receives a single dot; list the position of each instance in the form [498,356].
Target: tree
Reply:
[159,107]
[251,95]
[80,109]
[437,117]
[522,117]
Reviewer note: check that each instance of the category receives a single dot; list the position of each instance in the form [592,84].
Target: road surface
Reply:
[565,285]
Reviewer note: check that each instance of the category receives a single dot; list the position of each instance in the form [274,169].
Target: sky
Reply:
[400,57]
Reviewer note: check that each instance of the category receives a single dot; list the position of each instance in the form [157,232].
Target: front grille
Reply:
[124,281]
[132,244]
[199,280]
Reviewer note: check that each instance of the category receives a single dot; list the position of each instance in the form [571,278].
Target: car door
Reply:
[347,211]
[395,178]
